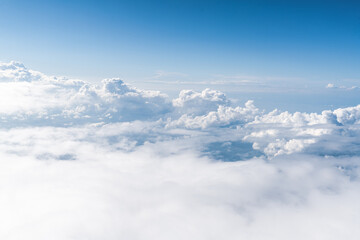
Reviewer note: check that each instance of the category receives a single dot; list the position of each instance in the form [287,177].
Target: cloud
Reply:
[111,161]
[198,103]
[35,98]
[333,86]
[164,74]
[223,116]
[242,83]
[164,188]
[330,85]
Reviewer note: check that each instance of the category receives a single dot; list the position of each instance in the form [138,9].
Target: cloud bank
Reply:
[110,161]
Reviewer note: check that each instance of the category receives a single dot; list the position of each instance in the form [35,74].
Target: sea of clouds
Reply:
[110,161]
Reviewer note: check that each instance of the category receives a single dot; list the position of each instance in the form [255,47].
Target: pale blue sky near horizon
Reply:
[279,53]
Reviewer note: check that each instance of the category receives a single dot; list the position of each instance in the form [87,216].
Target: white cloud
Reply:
[223,116]
[198,103]
[45,100]
[333,86]
[110,161]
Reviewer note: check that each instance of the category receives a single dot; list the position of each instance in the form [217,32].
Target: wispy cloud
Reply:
[333,86]
[242,83]
[164,74]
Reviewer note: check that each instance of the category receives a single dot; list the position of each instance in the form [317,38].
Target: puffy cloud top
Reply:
[199,103]
[29,96]
[111,161]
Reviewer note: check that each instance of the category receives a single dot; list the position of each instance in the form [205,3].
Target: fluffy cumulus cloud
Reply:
[34,98]
[110,161]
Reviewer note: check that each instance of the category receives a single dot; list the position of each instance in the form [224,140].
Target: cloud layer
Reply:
[110,161]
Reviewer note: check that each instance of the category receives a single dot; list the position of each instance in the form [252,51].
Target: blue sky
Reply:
[289,45]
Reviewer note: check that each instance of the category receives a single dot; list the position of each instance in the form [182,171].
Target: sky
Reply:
[269,46]
[179,120]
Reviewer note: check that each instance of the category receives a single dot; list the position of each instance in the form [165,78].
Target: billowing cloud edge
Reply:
[110,161]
